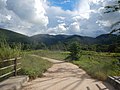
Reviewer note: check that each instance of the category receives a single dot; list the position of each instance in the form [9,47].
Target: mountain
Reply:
[54,41]
[13,37]
[104,39]
[80,39]
[107,39]
[49,39]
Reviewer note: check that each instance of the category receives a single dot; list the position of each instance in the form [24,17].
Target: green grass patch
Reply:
[34,66]
[98,67]
[60,55]
[97,64]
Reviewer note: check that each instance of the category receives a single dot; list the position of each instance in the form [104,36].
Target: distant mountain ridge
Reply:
[54,39]
[13,37]
[49,39]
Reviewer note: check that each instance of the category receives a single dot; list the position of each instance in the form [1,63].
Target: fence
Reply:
[8,67]
[114,81]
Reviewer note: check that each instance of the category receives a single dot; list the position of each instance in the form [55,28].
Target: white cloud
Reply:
[32,17]
[60,17]
[29,10]
[60,29]
[2,4]
[74,28]
[8,17]
[11,21]
[21,16]
[83,8]
[57,15]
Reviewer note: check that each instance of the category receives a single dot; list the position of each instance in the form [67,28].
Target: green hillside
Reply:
[104,42]
[49,39]
[13,37]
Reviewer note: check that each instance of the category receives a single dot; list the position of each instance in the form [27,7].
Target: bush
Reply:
[74,51]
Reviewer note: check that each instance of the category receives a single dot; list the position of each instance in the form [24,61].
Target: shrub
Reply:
[74,51]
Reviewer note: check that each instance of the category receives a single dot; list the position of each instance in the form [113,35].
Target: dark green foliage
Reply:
[100,43]
[112,48]
[106,39]
[6,52]
[101,48]
[12,37]
[74,51]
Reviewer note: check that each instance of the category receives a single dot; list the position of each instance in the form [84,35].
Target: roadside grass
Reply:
[30,65]
[33,66]
[98,65]
[6,52]
[59,55]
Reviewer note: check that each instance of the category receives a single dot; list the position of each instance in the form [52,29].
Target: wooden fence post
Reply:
[15,67]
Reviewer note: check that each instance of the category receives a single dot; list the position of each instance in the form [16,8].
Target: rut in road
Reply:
[66,76]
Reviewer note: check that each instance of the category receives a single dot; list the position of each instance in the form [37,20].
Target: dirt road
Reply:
[66,76]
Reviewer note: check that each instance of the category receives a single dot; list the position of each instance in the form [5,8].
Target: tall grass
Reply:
[6,52]
[33,66]
[98,67]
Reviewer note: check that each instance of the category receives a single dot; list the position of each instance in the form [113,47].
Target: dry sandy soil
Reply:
[66,76]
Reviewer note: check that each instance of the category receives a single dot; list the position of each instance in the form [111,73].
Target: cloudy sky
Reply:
[81,17]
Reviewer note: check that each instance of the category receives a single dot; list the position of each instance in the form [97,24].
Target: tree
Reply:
[74,51]
[112,48]
[114,8]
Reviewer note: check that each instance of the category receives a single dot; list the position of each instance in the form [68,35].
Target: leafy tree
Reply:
[112,48]
[74,51]
[114,8]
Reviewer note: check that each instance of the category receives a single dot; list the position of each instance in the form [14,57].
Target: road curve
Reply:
[66,76]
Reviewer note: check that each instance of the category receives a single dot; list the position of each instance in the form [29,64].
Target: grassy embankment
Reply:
[34,66]
[98,65]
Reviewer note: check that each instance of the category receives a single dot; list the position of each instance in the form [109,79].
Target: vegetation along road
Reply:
[66,76]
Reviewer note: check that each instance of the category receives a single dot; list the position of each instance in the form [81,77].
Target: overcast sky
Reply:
[81,17]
